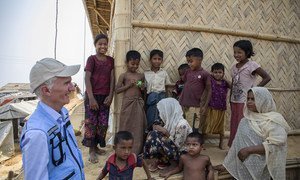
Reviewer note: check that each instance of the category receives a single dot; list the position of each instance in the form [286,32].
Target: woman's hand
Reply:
[243,154]
[93,104]
[161,129]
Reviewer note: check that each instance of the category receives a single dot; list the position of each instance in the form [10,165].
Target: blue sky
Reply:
[27,35]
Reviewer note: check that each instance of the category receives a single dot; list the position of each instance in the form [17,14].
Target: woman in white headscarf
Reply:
[260,147]
[166,141]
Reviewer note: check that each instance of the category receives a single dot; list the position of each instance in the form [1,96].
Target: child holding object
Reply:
[132,115]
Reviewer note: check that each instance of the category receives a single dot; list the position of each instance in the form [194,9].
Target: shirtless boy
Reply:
[193,164]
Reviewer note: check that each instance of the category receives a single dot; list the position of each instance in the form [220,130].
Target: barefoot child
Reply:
[132,115]
[214,123]
[99,80]
[197,90]
[193,164]
[244,74]
[121,164]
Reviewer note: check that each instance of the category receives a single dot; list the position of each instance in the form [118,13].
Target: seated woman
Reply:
[260,145]
[166,141]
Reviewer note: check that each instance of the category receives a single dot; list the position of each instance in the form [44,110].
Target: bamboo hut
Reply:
[273,26]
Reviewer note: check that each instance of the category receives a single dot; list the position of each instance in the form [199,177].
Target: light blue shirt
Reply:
[35,149]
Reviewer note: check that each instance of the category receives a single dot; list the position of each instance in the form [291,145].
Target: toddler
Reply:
[214,123]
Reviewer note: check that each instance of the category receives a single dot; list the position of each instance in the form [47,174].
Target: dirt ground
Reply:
[92,170]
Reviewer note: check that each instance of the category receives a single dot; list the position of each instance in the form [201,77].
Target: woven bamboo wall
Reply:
[273,26]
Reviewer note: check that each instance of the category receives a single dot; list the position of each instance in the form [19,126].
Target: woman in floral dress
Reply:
[166,141]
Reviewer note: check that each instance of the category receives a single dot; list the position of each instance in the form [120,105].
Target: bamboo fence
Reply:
[273,26]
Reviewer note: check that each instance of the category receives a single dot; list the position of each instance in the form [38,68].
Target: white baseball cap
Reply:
[48,68]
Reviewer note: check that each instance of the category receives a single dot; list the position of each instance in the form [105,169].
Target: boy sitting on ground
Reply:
[193,164]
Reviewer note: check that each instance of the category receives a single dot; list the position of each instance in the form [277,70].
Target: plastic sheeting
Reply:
[17,110]
[7,147]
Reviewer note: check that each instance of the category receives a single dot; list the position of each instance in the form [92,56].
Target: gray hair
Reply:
[49,83]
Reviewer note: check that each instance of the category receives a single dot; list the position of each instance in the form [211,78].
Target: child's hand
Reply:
[132,82]
[108,100]
[140,84]
[93,104]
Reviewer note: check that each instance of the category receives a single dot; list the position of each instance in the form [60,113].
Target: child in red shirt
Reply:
[121,164]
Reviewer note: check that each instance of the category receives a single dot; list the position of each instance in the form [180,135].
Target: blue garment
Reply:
[49,147]
[152,113]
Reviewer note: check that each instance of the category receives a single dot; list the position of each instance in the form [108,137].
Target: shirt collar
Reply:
[54,114]
[130,161]
[149,69]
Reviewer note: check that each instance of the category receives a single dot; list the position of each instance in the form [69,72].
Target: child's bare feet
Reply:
[93,156]
[100,151]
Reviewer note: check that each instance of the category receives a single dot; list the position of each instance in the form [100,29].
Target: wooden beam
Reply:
[102,9]
[210,29]
[103,19]
[100,26]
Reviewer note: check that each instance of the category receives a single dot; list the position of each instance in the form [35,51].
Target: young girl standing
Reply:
[132,116]
[214,123]
[244,75]
[99,81]
[156,81]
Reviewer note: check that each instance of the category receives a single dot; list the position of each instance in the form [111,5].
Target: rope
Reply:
[55,40]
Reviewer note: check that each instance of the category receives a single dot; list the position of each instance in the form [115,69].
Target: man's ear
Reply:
[45,90]
[114,147]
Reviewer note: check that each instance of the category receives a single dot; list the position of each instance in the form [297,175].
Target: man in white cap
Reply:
[48,144]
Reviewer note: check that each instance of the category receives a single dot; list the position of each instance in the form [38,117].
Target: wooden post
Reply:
[121,31]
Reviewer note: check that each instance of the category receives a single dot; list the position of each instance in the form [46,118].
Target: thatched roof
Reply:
[98,12]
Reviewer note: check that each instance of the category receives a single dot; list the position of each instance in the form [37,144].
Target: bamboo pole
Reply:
[121,31]
[210,29]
